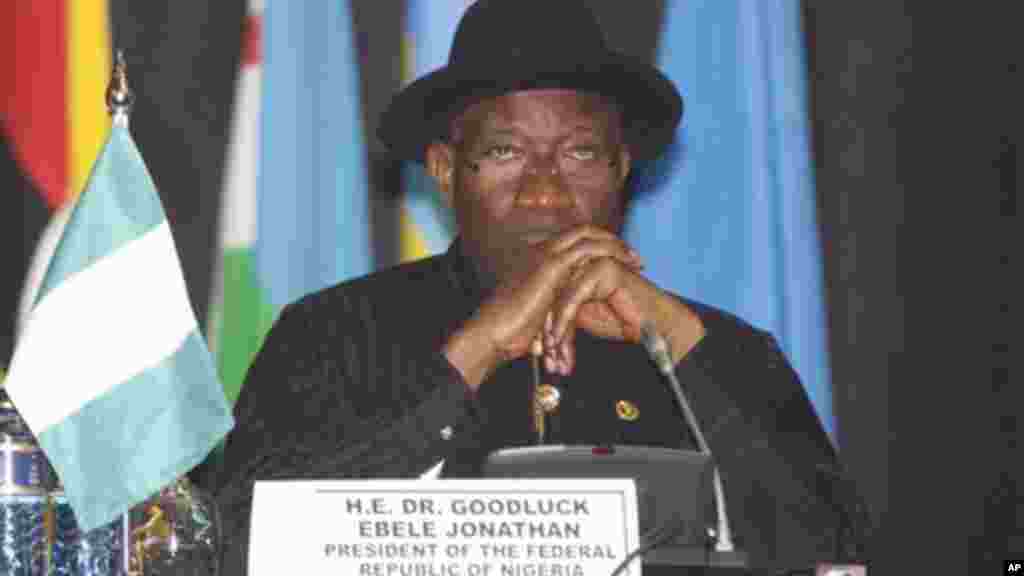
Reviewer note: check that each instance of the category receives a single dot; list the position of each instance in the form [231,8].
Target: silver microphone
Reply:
[657,349]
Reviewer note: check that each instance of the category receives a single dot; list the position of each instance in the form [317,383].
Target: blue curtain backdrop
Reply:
[428,31]
[728,215]
[313,209]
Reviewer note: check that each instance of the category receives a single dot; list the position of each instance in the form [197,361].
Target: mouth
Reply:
[535,233]
[534,237]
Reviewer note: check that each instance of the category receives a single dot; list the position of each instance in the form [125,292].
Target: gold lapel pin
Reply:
[548,397]
[626,410]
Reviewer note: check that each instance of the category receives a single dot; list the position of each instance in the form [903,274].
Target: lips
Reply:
[535,232]
[537,236]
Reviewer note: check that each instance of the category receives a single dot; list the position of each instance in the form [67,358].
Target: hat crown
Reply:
[505,46]
[496,32]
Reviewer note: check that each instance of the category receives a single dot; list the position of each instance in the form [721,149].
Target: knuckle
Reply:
[579,251]
[607,264]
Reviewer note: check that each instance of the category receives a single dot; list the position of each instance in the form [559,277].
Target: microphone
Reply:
[657,349]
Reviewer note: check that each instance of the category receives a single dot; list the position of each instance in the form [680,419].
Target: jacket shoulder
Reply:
[393,285]
[719,320]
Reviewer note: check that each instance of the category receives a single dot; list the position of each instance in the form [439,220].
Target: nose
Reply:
[543,186]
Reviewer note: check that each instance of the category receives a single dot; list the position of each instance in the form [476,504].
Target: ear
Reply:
[439,160]
[624,164]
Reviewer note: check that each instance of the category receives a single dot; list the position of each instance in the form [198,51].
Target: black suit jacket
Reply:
[351,383]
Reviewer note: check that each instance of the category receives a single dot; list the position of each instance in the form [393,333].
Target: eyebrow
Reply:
[494,131]
[514,130]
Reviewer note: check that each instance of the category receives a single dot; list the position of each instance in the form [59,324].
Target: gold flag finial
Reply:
[119,96]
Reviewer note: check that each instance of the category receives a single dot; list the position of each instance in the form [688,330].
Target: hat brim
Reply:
[421,113]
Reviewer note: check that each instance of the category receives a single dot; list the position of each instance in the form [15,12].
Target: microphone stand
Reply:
[657,348]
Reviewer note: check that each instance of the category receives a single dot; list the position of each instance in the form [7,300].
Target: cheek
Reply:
[484,202]
[599,205]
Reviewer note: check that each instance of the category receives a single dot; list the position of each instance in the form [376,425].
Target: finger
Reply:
[583,255]
[570,237]
[533,300]
[580,268]
[567,347]
[552,356]
[600,319]
[590,233]
[537,347]
[557,362]
[594,284]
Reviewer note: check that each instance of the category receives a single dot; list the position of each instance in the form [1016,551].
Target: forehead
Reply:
[540,108]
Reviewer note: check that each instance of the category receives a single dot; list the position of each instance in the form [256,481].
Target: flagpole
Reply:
[120,97]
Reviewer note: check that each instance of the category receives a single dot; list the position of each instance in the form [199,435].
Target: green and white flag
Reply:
[110,371]
[295,211]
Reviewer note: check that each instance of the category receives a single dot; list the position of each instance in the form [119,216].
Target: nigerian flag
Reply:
[110,371]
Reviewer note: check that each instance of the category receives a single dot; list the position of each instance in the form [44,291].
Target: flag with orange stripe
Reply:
[54,72]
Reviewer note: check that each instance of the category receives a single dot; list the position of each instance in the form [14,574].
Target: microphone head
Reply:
[656,347]
[647,338]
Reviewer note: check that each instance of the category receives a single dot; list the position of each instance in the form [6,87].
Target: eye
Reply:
[583,153]
[502,152]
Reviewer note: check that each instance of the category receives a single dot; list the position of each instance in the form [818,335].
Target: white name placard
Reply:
[451,527]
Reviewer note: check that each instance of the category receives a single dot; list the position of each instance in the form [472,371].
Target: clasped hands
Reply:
[583,279]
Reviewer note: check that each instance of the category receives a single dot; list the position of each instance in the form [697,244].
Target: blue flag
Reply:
[312,211]
[110,371]
[729,214]
[295,210]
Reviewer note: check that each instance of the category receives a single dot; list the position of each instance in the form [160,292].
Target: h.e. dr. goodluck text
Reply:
[467,522]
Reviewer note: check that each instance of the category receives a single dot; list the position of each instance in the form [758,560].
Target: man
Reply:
[530,133]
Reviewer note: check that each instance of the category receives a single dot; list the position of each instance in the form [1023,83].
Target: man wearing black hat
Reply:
[531,137]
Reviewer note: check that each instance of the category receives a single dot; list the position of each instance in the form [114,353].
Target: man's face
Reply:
[528,165]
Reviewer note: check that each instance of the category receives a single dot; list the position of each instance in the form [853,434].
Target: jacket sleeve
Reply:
[310,408]
[788,500]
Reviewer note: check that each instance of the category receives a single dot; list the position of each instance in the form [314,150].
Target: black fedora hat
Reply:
[504,46]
